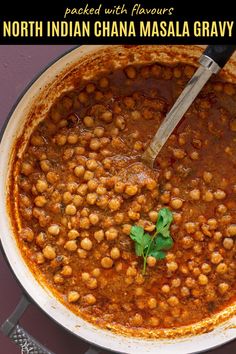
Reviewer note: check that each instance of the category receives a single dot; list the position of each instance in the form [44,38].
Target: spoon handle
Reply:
[212,60]
[220,53]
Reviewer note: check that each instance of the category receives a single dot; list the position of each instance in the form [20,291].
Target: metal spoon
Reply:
[212,60]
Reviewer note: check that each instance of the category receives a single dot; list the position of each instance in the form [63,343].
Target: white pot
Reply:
[44,89]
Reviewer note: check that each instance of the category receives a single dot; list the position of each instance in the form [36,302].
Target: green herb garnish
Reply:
[153,245]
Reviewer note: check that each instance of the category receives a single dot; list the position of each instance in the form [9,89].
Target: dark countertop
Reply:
[18,65]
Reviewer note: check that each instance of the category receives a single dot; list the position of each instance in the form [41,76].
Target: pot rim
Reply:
[44,298]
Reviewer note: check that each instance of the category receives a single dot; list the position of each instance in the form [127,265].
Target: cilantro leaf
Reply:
[155,245]
[164,220]
[163,243]
[142,240]
[157,254]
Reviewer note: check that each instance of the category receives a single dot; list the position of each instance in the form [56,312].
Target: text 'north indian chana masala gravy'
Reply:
[82,185]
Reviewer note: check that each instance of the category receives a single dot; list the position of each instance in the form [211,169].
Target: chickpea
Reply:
[95,144]
[89,299]
[49,252]
[84,223]
[115,253]
[85,276]
[172,266]
[40,201]
[83,97]
[231,230]
[40,258]
[72,138]
[189,71]
[152,303]
[79,171]
[26,168]
[190,227]
[88,175]
[101,190]
[151,184]
[221,268]
[223,288]
[119,187]
[176,282]
[131,190]
[40,239]
[187,242]
[82,253]
[207,176]
[107,116]
[219,194]
[114,204]
[176,203]
[153,215]
[111,234]
[190,282]
[136,320]
[203,279]
[120,122]
[52,177]
[86,244]
[165,197]
[217,236]
[208,196]
[216,258]
[173,301]
[82,189]
[91,198]
[206,268]
[88,121]
[44,164]
[221,208]
[90,88]
[54,229]
[61,139]
[66,271]
[106,262]
[78,201]
[179,153]
[73,296]
[165,289]
[154,321]
[93,218]
[58,279]
[99,235]
[126,229]
[71,245]
[228,243]
[212,223]
[99,132]
[177,72]
[70,209]
[151,261]
[194,194]
[184,291]
[27,234]
[73,234]
[130,72]
[136,216]
[92,283]
[41,186]
[139,291]
[119,218]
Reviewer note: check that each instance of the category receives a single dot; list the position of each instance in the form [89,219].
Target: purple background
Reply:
[18,66]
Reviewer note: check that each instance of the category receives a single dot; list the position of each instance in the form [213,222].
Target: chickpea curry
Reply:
[83,193]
